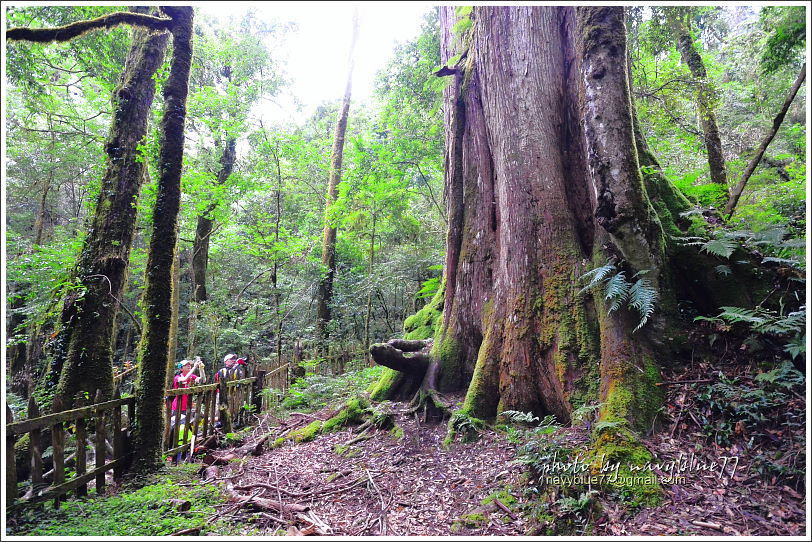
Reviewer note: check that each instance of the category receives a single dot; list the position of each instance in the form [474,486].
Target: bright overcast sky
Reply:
[316,52]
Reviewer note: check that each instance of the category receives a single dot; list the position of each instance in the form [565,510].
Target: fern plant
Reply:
[772,242]
[790,327]
[619,291]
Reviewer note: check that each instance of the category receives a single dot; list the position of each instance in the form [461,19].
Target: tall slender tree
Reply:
[154,355]
[328,252]
[705,94]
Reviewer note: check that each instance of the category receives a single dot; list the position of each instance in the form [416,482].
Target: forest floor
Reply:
[414,485]
[409,483]
[385,485]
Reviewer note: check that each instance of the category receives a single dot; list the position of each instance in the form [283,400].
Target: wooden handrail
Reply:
[24,426]
[278,369]
[234,394]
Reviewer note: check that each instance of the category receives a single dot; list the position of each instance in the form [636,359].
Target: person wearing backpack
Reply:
[234,369]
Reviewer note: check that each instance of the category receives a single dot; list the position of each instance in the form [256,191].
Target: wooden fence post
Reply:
[58,443]
[81,443]
[35,448]
[258,385]
[100,449]
[11,461]
[225,411]
[118,439]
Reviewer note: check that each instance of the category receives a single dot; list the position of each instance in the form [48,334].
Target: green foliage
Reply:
[703,194]
[618,291]
[732,408]
[788,329]
[316,391]
[137,512]
[463,424]
[786,30]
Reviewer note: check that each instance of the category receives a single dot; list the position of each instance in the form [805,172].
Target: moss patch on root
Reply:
[631,481]
[353,412]
[388,381]
[634,398]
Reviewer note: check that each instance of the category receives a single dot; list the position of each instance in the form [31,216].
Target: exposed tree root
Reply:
[434,406]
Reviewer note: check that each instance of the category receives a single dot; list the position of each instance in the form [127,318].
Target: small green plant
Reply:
[318,391]
[730,407]
[787,329]
[619,291]
[141,512]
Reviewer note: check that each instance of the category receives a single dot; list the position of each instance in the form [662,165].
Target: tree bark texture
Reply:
[205,225]
[328,252]
[542,178]
[158,315]
[83,348]
[705,100]
[736,191]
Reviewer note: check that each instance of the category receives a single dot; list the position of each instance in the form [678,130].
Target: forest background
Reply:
[266,217]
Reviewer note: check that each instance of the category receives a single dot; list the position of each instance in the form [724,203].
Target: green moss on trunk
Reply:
[83,349]
[154,347]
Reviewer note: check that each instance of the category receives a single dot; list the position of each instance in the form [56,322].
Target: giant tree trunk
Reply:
[328,251]
[158,314]
[82,358]
[704,100]
[533,198]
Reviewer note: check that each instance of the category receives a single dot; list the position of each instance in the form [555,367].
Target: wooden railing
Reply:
[105,428]
[74,424]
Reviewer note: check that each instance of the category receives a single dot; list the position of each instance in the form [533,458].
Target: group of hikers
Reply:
[234,368]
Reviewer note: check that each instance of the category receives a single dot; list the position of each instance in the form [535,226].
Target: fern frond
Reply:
[617,291]
[691,241]
[643,297]
[597,276]
[734,315]
[723,270]
[723,247]
[519,417]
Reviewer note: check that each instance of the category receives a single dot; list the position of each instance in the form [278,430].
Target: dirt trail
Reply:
[385,485]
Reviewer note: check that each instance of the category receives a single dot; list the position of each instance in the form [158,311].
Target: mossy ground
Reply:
[140,512]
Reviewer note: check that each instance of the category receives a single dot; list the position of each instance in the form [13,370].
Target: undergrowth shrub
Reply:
[314,392]
[765,413]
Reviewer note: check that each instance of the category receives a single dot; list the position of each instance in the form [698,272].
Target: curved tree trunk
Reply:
[83,348]
[158,314]
[533,198]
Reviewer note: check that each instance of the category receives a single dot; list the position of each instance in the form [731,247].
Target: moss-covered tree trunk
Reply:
[542,184]
[82,358]
[205,226]
[328,250]
[158,315]
[705,99]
